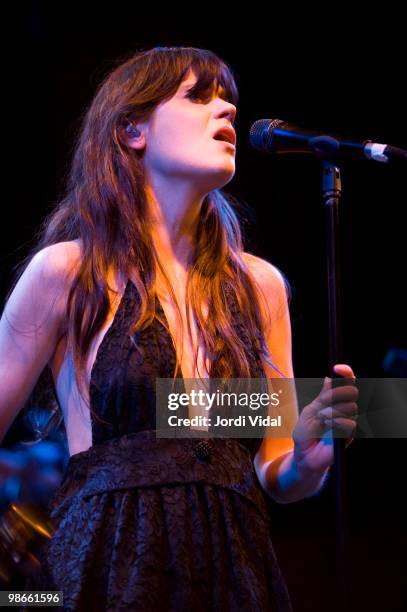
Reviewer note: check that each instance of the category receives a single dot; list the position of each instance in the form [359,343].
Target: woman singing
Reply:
[140,273]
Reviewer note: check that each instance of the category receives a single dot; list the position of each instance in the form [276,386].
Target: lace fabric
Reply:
[158,524]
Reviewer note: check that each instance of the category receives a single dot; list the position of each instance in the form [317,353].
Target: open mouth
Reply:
[227,135]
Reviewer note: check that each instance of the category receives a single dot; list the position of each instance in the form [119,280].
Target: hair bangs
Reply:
[208,68]
[211,73]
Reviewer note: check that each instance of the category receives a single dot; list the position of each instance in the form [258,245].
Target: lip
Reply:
[225,142]
[227,131]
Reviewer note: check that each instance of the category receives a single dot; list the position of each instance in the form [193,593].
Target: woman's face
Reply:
[179,139]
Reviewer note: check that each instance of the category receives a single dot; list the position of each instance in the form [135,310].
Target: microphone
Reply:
[277,136]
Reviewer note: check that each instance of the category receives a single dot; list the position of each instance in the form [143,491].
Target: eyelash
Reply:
[200,96]
[194,95]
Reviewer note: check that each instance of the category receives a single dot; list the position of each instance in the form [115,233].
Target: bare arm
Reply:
[274,462]
[30,327]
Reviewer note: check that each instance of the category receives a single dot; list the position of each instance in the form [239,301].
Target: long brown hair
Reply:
[105,207]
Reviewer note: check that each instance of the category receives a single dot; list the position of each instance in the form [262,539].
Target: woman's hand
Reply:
[333,407]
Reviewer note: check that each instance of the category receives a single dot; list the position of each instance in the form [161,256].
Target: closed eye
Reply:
[204,97]
[195,96]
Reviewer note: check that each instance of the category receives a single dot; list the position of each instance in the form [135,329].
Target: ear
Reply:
[134,136]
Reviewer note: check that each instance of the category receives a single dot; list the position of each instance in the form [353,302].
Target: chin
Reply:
[225,175]
[228,177]
[216,179]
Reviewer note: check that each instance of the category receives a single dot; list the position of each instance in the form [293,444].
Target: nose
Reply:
[227,110]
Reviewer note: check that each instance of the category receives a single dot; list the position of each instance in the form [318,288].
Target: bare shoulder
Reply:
[32,324]
[60,260]
[270,279]
[44,287]
[47,273]
[60,263]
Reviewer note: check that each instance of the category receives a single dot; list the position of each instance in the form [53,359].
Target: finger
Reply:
[347,426]
[326,384]
[348,409]
[326,391]
[347,393]
[342,369]
[329,396]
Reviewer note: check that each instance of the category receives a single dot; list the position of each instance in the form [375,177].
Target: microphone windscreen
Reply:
[261,133]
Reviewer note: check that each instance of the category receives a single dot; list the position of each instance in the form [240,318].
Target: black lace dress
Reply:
[154,524]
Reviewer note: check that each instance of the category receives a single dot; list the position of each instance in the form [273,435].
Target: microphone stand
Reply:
[331,188]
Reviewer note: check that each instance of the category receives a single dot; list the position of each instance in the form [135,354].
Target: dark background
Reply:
[332,71]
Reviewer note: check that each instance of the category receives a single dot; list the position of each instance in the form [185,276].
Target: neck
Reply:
[174,215]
